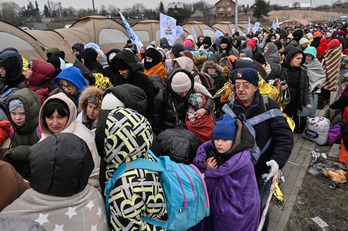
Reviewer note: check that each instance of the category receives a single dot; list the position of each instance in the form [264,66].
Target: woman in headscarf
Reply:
[273,61]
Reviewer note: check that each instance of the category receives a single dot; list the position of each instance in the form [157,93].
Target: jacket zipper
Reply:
[191,183]
[207,205]
[182,189]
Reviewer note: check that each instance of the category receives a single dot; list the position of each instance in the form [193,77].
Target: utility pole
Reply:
[93,7]
[236,15]
[331,9]
[309,13]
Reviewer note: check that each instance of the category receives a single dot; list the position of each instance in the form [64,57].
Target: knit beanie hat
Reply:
[225,128]
[225,40]
[303,41]
[14,104]
[110,102]
[207,40]
[248,74]
[177,48]
[251,43]
[196,100]
[181,83]
[317,34]
[51,51]
[342,33]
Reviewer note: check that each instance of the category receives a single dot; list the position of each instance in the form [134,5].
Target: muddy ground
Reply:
[317,199]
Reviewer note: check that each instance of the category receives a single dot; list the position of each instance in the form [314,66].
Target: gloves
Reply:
[274,169]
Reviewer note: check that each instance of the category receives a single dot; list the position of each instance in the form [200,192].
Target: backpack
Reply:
[186,195]
[207,82]
[255,151]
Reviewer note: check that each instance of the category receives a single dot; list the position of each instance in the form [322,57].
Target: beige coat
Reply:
[77,129]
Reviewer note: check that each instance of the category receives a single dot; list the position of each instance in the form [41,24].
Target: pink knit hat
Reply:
[181,83]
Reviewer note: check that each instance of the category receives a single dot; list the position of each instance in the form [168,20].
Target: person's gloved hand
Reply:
[274,169]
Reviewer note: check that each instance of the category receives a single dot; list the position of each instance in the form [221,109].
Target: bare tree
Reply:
[9,12]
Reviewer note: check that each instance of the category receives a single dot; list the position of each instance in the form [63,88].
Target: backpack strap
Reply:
[264,116]
[228,111]
[140,163]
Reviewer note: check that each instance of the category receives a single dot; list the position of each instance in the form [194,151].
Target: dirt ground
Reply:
[317,199]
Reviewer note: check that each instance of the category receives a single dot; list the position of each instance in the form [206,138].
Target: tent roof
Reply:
[227,27]
[200,29]
[26,44]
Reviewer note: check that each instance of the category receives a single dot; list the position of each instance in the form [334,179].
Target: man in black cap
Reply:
[131,46]
[273,136]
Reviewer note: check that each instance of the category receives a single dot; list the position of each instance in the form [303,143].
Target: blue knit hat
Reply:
[225,128]
[248,74]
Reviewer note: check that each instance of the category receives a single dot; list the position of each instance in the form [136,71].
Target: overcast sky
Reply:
[149,3]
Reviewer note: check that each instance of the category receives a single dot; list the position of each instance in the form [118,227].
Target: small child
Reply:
[202,127]
[229,177]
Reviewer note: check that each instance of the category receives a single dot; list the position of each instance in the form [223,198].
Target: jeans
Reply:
[264,188]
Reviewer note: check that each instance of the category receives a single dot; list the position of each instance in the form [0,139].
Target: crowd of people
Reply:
[67,127]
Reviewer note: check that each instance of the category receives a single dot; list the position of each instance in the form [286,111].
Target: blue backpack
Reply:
[185,191]
[255,151]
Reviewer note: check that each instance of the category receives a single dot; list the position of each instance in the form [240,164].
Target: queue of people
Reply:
[70,126]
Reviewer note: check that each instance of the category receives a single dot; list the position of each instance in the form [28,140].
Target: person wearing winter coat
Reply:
[331,65]
[71,82]
[89,107]
[230,178]
[125,68]
[23,112]
[250,102]
[40,75]
[77,48]
[297,81]
[272,58]
[12,185]
[202,127]
[153,63]
[11,71]
[125,95]
[322,48]
[315,72]
[60,196]
[89,59]
[215,72]
[58,115]
[170,105]
[124,136]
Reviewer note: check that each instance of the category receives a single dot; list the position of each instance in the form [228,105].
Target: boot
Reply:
[302,125]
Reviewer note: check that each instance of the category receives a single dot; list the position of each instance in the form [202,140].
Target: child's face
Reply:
[309,58]
[223,146]
[211,71]
[18,116]
[191,109]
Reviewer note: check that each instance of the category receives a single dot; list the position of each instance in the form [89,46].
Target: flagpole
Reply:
[236,15]
[309,13]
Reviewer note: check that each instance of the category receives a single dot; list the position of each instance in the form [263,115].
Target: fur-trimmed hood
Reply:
[89,92]
[211,64]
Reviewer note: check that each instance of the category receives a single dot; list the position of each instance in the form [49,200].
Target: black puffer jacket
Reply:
[163,112]
[135,77]
[179,144]
[133,97]
[60,165]
[277,128]
[300,89]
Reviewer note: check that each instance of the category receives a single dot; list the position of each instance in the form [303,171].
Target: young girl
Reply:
[229,177]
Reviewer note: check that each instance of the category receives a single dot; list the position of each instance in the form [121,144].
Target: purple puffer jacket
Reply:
[233,193]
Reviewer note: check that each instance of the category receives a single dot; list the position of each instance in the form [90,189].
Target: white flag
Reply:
[133,37]
[194,34]
[277,23]
[249,26]
[256,27]
[168,28]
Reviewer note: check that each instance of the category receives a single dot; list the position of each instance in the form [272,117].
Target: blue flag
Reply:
[132,36]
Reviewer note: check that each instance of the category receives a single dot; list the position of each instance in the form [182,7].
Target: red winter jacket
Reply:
[38,82]
[322,48]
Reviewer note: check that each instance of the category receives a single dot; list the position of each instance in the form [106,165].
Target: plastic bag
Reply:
[334,134]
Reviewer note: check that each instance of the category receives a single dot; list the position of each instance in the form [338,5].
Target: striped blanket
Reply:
[331,66]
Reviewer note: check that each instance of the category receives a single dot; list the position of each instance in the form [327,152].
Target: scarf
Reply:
[158,69]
